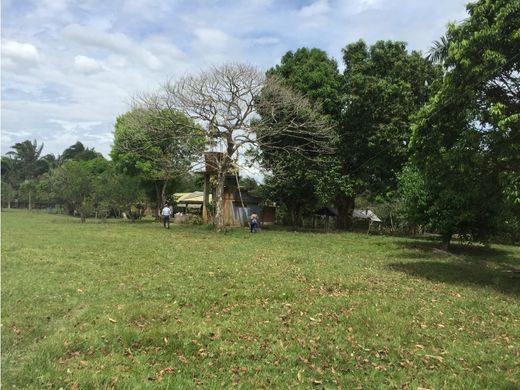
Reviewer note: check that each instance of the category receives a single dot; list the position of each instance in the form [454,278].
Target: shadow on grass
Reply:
[504,281]
[465,252]
[464,264]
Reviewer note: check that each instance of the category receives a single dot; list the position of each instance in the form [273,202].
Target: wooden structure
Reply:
[239,204]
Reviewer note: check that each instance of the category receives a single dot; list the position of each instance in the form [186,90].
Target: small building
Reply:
[239,203]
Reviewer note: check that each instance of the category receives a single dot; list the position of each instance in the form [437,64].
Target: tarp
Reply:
[196,197]
[366,214]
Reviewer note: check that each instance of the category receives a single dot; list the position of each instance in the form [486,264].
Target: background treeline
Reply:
[79,182]
[430,143]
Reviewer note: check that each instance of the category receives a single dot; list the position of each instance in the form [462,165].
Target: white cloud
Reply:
[72,125]
[318,8]
[87,65]
[14,52]
[113,42]
[89,36]
[212,39]
[69,68]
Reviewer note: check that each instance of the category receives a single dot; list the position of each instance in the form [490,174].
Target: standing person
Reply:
[254,222]
[165,214]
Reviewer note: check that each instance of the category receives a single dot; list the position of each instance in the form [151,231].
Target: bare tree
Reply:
[224,100]
[290,124]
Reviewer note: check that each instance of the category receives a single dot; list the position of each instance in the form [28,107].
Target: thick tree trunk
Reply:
[30,204]
[345,205]
[163,192]
[219,201]
[82,216]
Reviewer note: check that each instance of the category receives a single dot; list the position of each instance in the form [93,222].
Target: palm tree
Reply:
[27,164]
[438,53]
[78,152]
[26,155]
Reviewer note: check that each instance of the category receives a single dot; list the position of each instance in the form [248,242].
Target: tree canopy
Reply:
[156,144]
[466,140]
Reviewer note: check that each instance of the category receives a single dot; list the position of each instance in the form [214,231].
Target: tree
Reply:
[222,99]
[78,152]
[8,194]
[156,143]
[26,166]
[466,140]
[384,86]
[297,180]
[10,179]
[295,144]
[26,155]
[315,75]
[439,51]
[74,183]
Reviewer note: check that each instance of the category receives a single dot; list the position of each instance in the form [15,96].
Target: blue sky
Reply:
[69,68]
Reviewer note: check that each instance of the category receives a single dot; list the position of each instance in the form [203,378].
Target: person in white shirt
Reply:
[165,214]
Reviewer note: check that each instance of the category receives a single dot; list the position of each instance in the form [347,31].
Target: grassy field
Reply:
[135,306]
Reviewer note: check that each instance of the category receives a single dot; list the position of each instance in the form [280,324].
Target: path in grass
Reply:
[136,306]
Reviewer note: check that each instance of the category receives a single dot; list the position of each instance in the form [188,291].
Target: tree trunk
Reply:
[82,216]
[30,205]
[295,215]
[160,195]
[446,238]
[163,192]
[219,201]
[345,205]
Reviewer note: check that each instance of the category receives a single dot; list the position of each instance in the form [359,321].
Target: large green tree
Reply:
[466,140]
[75,184]
[370,106]
[158,144]
[296,178]
[384,86]
[295,143]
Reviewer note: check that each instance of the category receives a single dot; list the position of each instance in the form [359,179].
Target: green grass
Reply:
[135,306]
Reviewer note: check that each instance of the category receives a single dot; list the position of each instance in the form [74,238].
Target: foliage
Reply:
[75,184]
[157,145]
[249,184]
[297,177]
[8,193]
[314,74]
[413,195]
[466,139]
[78,152]
[26,156]
[384,86]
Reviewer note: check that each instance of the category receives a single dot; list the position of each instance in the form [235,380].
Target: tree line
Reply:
[433,140]
[80,181]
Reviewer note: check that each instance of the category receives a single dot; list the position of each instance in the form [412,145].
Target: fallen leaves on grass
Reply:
[159,375]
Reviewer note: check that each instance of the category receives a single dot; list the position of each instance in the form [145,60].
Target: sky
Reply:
[69,68]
